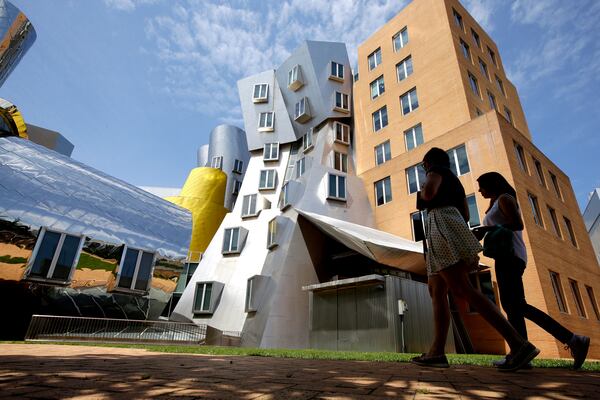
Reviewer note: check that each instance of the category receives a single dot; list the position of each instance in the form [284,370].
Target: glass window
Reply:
[558,291]
[476,39]
[458,20]
[555,184]
[465,49]
[592,298]
[459,162]
[337,187]
[271,152]
[554,220]
[492,56]
[265,120]
[535,209]
[374,59]
[409,101]
[55,256]
[383,191]
[302,110]
[249,205]
[380,119]
[342,133]
[508,115]
[570,231]
[340,161]
[492,100]
[284,196]
[337,70]
[377,87]
[341,101]
[231,239]
[400,39]
[415,177]
[404,68]
[521,157]
[237,185]
[136,264]
[238,166]
[272,234]
[307,140]
[202,297]
[417,222]
[473,211]
[413,137]
[500,85]
[267,179]
[260,93]
[217,162]
[295,78]
[383,153]
[144,272]
[300,167]
[483,68]
[577,297]
[474,85]
[540,173]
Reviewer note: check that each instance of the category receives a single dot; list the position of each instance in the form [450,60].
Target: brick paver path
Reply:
[30,371]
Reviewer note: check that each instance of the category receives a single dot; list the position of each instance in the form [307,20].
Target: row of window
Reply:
[399,40]
[56,254]
[473,83]
[234,238]
[521,159]
[403,70]
[577,298]
[207,294]
[413,137]
[459,164]
[458,21]
[539,220]
[409,102]
[217,162]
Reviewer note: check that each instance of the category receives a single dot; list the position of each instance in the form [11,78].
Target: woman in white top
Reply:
[504,210]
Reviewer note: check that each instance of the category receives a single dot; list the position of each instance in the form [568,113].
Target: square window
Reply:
[409,101]
[535,210]
[342,103]
[342,133]
[377,87]
[415,177]
[404,68]
[300,167]
[380,119]
[474,85]
[302,110]
[340,161]
[249,206]
[383,191]
[459,162]
[337,187]
[55,256]
[295,78]
[383,153]
[266,121]
[272,234]
[400,39]
[260,93]
[268,178]
[570,231]
[238,166]
[413,137]
[217,162]
[374,59]
[577,297]
[337,71]
[558,291]
[271,152]
[473,211]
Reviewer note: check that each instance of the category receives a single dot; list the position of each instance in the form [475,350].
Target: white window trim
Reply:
[413,170]
[237,186]
[374,55]
[268,155]
[337,196]
[301,162]
[57,251]
[382,146]
[136,271]
[238,246]
[345,102]
[204,286]
[413,132]
[399,35]
[380,112]
[345,132]
[266,128]
[284,200]
[387,197]
[307,141]
[295,78]
[217,162]
[268,172]
[378,86]
[453,154]
[337,76]
[272,234]
[246,213]
[410,103]
[404,68]
[260,99]
[343,161]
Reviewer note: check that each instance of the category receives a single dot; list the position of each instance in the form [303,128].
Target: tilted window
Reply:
[206,297]
[459,162]
[307,140]
[238,166]
[266,121]
[249,205]
[135,270]
[400,39]
[268,179]
[302,110]
[377,87]
[409,101]
[272,234]
[342,133]
[260,93]
[413,137]
[233,240]
[295,80]
[337,187]
[217,162]
[404,68]
[415,177]
[380,119]
[374,59]
[55,255]
[337,71]
[271,152]
[383,153]
[383,191]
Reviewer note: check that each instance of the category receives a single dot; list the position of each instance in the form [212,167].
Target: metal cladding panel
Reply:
[43,188]
[50,139]
[282,127]
[229,142]
[17,36]
[203,156]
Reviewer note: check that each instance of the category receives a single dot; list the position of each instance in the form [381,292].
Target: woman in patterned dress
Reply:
[452,254]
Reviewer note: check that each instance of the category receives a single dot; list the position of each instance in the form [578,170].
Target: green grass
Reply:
[13,260]
[87,261]
[312,354]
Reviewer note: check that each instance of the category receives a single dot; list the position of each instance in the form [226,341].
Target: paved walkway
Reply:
[76,372]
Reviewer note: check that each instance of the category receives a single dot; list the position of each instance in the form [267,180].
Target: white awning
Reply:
[377,245]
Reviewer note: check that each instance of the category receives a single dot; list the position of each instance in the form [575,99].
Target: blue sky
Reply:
[137,85]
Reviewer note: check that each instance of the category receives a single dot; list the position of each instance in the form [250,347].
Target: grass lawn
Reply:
[457,359]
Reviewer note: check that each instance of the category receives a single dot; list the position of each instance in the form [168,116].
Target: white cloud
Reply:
[127,5]
[205,48]
[482,11]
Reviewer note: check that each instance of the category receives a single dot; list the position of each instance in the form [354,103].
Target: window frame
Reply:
[384,154]
[272,234]
[380,86]
[284,200]
[295,81]
[416,169]
[539,172]
[334,72]
[466,50]
[239,245]
[559,294]
[413,132]
[476,38]
[471,213]
[136,270]
[340,160]
[473,82]
[238,166]
[237,186]
[556,185]
[250,208]
[384,185]
[405,68]
[259,98]
[217,162]
[271,146]
[300,167]
[402,35]
[337,195]
[376,57]
[483,68]
[342,133]
[202,300]
[458,20]
[302,110]
[344,104]
[500,85]
[267,127]
[520,153]
[554,220]
[570,231]
[535,209]
[381,113]
[453,154]
[508,116]
[492,100]
[492,55]
[307,141]
[592,298]
[270,175]
[409,95]
[577,297]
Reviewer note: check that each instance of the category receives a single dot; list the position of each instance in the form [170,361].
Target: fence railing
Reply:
[60,328]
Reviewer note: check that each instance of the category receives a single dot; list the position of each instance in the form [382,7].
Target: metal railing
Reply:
[60,328]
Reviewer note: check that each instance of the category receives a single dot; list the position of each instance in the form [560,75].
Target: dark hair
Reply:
[438,157]
[495,184]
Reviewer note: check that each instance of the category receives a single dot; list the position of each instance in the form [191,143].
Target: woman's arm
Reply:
[431,186]
[508,206]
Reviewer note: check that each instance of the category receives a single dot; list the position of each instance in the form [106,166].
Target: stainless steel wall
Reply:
[16,37]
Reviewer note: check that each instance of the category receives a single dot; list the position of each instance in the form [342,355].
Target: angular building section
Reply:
[301,231]
[432,77]
[591,216]
[77,242]
[50,139]
[16,37]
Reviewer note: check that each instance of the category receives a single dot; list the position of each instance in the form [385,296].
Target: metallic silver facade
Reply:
[16,37]
[50,139]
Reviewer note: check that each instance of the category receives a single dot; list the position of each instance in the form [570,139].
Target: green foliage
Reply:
[12,260]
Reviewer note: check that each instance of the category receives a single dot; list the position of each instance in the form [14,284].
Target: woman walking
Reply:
[452,254]
[504,210]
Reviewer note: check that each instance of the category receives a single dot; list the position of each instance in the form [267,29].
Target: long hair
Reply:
[496,185]
[437,157]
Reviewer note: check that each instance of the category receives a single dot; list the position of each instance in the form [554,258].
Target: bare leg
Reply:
[438,290]
[456,277]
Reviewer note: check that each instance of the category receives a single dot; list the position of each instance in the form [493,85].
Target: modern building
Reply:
[77,242]
[591,216]
[16,37]
[50,139]
[297,262]
[432,76]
